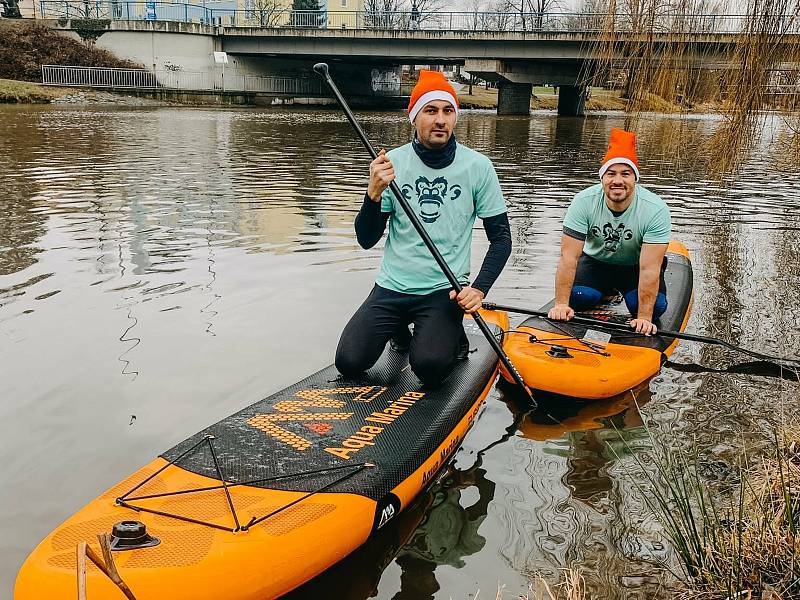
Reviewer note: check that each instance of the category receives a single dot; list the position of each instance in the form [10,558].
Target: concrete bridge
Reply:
[366,51]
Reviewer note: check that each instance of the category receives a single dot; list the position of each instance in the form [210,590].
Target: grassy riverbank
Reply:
[543,99]
[27,92]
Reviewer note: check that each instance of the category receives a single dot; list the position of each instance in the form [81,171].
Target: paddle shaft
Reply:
[619,326]
[322,69]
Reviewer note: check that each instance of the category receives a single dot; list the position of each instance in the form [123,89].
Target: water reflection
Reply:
[178,264]
[586,439]
[449,533]
[357,576]
[558,415]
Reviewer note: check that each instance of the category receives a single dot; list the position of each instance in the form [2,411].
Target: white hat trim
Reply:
[430,97]
[619,161]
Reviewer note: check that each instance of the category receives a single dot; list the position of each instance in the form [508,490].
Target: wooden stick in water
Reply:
[80,551]
[111,568]
[107,566]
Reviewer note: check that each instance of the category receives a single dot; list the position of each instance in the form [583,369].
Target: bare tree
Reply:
[267,13]
[404,14]
[530,14]
[429,10]
[480,15]
[589,15]
[385,14]
[540,8]
[502,16]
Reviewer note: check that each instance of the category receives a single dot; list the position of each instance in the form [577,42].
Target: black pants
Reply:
[386,314]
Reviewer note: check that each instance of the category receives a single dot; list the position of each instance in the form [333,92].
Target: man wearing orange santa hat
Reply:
[614,239]
[448,185]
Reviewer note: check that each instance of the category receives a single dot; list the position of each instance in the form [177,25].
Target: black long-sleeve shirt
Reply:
[371,223]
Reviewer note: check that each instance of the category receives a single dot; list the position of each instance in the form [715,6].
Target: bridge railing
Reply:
[393,20]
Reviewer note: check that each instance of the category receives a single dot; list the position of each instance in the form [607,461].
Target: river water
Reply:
[160,268]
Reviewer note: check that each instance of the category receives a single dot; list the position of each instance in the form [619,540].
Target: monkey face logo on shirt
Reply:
[612,236]
[431,195]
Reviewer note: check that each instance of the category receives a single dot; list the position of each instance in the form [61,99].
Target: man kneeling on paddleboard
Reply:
[615,237]
[448,185]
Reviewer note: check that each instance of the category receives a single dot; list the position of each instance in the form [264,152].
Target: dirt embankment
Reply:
[545,99]
[35,93]
[599,99]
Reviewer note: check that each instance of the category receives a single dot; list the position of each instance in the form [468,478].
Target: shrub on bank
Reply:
[26,46]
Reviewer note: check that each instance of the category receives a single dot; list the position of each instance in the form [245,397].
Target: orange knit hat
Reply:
[621,150]
[431,86]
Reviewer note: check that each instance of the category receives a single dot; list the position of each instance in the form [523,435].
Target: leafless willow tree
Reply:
[658,47]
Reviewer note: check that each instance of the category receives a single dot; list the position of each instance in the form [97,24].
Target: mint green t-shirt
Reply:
[618,239]
[447,202]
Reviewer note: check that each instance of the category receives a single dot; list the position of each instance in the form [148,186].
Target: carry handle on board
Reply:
[322,70]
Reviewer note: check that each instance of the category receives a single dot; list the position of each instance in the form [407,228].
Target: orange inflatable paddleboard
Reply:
[266,499]
[580,361]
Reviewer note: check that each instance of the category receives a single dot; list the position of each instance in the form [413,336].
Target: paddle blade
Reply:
[321,69]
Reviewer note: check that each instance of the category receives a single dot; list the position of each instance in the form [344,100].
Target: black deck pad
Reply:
[385,417]
[679,280]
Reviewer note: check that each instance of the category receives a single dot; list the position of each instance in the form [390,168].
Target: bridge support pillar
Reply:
[572,100]
[514,98]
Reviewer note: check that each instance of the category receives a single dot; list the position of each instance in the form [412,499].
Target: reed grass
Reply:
[571,586]
[742,543]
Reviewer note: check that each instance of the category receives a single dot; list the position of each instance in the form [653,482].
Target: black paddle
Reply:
[664,333]
[761,368]
[322,70]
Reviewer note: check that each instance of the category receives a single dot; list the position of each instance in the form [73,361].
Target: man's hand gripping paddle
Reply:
[322,70]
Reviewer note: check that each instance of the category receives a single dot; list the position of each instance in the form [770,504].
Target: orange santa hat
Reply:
[621,150]
[431,86]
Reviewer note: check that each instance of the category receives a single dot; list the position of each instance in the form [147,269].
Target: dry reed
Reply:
[671,57]
[745,545]
[571,586]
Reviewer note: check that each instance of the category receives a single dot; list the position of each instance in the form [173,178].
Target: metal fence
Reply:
[398,20]
[99,77]
[107,77]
